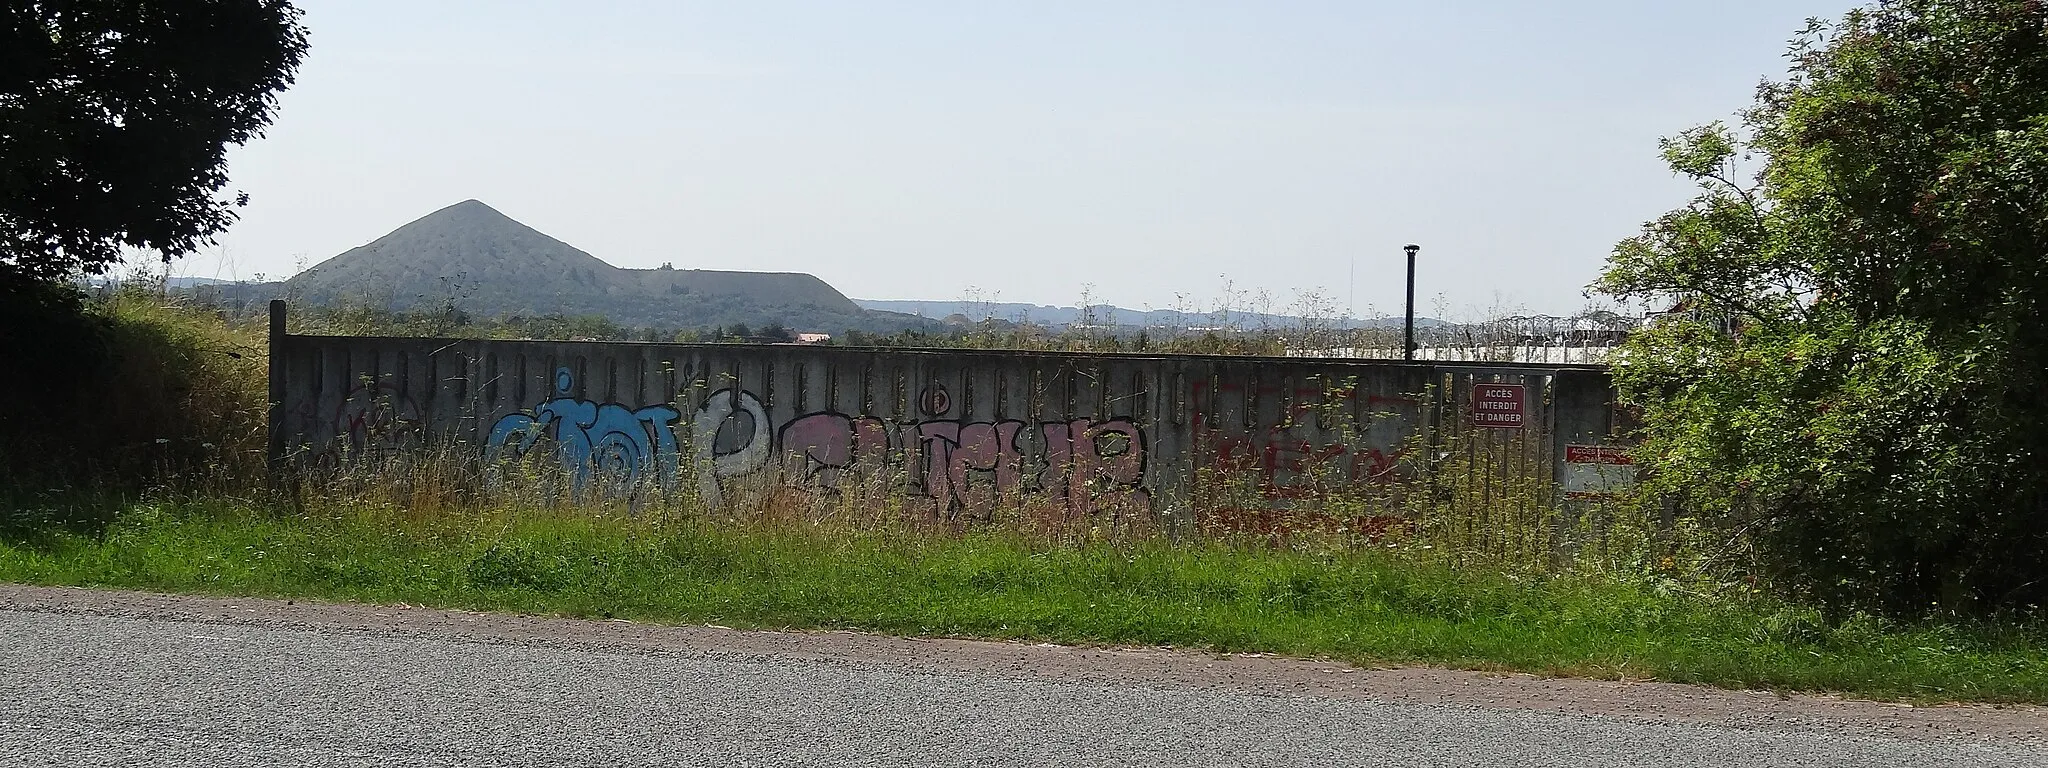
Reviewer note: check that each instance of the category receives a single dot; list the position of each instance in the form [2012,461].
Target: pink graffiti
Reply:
[969,467]
[953,451]
[1099,464]
[820,449]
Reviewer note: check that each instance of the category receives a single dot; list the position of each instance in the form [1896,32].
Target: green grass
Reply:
[1364,607]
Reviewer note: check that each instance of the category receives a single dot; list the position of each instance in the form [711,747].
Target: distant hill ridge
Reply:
[484,262]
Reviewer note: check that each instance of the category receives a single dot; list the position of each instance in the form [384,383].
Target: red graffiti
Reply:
[1288,463]
[375,417]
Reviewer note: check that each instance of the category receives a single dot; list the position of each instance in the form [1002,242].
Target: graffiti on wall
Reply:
[963,467]
[1293,454]
[1191,438]
[373,419]
[377,415]
[969,467]
[730,437]
[618,447]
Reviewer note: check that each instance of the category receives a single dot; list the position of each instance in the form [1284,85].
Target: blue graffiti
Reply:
[620,446]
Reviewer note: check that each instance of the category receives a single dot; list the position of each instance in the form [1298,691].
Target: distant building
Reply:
[814,338]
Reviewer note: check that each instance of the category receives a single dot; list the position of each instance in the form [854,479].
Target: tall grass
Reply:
[132,389]
[1367,606]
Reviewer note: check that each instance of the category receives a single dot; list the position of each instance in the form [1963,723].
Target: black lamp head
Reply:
[1411,248]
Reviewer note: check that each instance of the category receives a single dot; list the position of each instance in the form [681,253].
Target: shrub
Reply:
[1853,375]
[126,390]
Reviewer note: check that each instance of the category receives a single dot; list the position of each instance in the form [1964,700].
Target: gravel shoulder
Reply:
[1155,668]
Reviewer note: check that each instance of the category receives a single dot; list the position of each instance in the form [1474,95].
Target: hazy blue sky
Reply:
[920,150]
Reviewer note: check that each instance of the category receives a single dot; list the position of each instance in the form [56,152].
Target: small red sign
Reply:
[1597,471]
[1597,454]
[1498,405]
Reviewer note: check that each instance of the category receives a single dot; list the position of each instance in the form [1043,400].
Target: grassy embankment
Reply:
[1361,606]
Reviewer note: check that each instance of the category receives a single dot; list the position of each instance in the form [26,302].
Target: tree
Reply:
[115,118]
[1855,375]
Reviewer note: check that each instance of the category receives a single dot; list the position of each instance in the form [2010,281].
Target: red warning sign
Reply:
[1597,454]
[1498,405]
[1597,471]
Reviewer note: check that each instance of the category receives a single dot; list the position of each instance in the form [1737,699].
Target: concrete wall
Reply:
[959,428]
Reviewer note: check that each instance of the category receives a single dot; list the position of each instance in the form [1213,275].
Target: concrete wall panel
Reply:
[1094,433]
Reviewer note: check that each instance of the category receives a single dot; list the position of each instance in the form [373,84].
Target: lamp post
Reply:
[1351,302]
[1408,347]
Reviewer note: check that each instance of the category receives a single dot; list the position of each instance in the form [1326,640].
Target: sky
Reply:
[1147,154]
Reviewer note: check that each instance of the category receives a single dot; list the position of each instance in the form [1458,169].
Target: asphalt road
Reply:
[89,681]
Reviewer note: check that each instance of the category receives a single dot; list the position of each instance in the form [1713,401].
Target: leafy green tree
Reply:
[596,327]
[115,118]
[1854,376]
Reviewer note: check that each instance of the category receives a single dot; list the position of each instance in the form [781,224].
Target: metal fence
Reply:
[1579,340]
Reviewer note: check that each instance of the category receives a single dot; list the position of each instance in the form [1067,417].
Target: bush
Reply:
[1852,377]
[127,390]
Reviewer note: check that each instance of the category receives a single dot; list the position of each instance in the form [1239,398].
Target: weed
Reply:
[1371,606]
